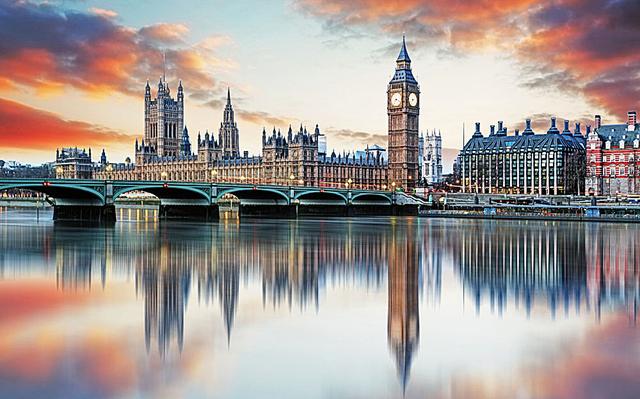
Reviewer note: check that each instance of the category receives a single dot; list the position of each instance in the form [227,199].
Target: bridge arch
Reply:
[325,195]
[371,197]
[59,190]
[166,191]
[257,193]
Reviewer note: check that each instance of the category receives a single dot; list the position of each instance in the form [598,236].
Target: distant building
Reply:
[613,157]
[19,170]
[430,157]
[527,163]
[73,163]
[185,143]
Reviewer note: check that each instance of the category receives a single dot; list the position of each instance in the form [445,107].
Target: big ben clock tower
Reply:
[403,109]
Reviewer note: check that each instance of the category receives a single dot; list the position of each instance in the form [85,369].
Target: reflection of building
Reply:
[613,274]
[506,262]
[430,157]
[163,276]
[527,163]
[403,325]
[73,163]
[613,157]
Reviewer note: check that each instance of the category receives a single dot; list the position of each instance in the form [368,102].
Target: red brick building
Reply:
[613,158]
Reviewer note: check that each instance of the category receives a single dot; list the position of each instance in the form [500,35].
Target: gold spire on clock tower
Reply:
[403,110]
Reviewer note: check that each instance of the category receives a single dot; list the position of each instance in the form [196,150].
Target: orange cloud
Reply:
[103,12]
[24,127]
[91,52]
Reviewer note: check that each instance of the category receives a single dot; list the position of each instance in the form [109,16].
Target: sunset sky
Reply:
[73,72]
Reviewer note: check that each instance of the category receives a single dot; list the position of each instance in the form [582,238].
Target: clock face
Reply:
[396,99]
[413,99]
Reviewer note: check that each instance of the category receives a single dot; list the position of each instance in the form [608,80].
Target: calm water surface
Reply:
[373,308]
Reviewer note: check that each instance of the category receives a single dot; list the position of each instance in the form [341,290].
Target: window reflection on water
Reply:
[564,269]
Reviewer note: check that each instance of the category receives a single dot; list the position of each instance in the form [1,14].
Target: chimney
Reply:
[517,132]
[598,121]
[493,130]
[631,121]
[500,126]
[477,133]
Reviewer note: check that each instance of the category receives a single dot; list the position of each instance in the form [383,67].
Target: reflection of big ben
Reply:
[403,109]
[403,324]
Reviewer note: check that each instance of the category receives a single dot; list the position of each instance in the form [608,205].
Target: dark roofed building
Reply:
[527,163]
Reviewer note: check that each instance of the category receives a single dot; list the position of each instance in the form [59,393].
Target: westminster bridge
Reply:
[80,199]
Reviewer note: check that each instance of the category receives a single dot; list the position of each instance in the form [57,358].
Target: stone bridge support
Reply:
[104,214]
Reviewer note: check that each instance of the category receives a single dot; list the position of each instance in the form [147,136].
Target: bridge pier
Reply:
[89,213]
[322,210]
[369,210]
[270,211]
[208,213]
[405,210]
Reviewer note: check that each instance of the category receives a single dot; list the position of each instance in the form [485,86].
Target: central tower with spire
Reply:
[163,120]
[403,110]
[228,135]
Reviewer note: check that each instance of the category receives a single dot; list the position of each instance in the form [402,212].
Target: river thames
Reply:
[335,308]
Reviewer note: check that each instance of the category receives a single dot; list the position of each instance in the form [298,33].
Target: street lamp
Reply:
[163,175]
[291,179]
[384,187]
[349,181]
[214,174]
[393,186]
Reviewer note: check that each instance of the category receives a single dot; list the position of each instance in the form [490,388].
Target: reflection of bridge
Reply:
[94,199]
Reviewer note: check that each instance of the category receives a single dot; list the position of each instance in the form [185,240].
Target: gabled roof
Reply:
[618,132]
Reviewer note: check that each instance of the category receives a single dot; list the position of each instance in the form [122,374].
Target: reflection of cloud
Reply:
[42,298]
[29,128]
[584,46]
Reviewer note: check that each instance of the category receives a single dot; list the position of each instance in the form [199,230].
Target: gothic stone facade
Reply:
[403,110]
[527,163]
[430,157]
[293,159]
[73,163]
[163,119]
[299,158]
[613,158]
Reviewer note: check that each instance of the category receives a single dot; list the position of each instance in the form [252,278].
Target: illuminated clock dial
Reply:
[413,99]
[396,99]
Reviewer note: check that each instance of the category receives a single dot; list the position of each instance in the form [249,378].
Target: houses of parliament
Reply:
[294,157]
